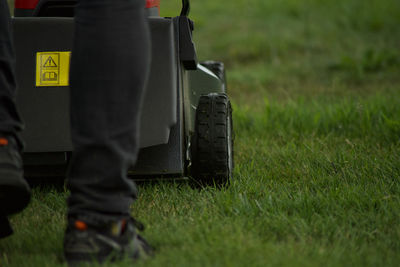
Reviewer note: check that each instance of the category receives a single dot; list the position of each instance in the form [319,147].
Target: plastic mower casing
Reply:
[186,125]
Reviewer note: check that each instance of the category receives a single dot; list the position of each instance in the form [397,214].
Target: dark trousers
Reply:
[10,121]
[109,68]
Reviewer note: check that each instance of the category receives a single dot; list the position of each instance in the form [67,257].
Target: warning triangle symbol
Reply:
[50,63]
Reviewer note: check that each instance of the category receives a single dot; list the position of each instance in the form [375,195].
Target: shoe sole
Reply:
[14,193]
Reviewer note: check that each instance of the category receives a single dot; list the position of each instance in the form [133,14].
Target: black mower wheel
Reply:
[212,150]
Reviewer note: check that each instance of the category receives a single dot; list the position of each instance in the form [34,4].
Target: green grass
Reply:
[315,87]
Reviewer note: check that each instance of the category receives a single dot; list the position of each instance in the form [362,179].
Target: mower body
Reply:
[176,83]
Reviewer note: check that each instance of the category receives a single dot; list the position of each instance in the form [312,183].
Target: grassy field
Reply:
[315,87]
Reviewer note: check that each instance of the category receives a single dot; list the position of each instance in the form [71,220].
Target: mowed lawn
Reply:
[315,87]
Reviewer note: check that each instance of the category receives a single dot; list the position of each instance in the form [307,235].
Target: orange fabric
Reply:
[81,225]
[3,142]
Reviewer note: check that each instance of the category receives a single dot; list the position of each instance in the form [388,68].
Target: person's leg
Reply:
[109,68]
[10,121]
[14,191]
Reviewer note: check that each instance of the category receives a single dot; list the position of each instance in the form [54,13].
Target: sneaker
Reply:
[109,242]
[14,190]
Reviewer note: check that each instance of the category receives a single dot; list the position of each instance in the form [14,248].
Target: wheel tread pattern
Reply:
[210,154]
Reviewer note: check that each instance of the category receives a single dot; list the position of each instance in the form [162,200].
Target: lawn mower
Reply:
[186,125]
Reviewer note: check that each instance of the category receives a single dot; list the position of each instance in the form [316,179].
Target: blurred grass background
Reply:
[294,48]
[315,86]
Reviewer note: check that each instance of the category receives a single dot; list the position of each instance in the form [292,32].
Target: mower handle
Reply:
[185,8]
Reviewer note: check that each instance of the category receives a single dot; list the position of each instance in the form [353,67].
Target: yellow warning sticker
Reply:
[52,68]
